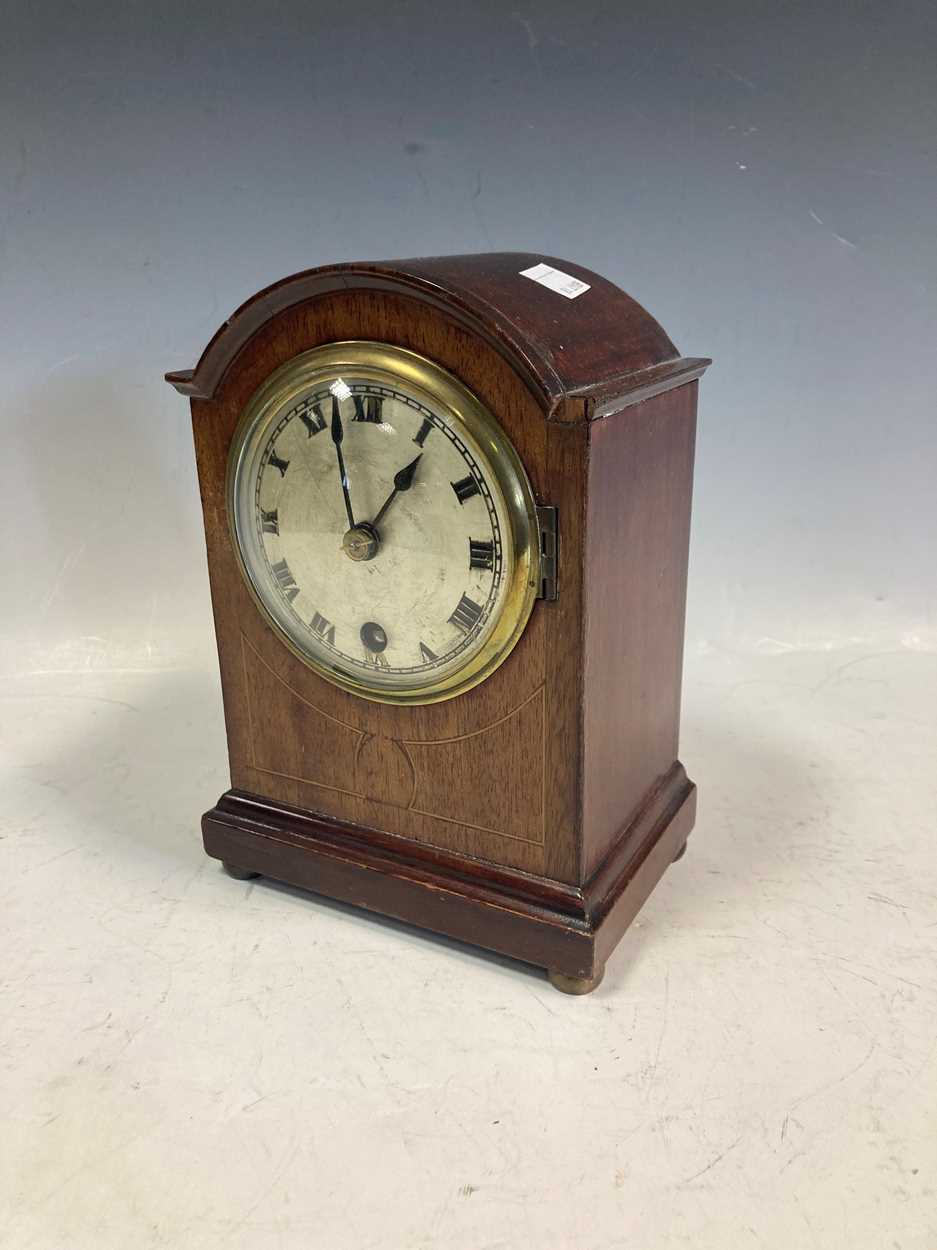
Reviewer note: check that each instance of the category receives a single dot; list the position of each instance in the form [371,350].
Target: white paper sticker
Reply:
[556,280]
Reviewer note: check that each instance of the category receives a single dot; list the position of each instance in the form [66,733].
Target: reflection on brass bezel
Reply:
[388,365]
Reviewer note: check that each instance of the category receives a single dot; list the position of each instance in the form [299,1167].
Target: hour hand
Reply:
[403,480]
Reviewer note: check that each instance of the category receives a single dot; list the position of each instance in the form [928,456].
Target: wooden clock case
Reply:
[534,814]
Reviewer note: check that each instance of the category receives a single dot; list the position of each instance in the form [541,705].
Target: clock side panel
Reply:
[640,485]
[476,775]
[567,443]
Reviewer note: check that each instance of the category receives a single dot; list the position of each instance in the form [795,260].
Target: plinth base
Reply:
[569,930]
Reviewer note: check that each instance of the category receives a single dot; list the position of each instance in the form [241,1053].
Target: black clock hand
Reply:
[337,435]
[403,480]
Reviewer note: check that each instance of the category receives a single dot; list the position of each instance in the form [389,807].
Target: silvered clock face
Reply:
[383,522]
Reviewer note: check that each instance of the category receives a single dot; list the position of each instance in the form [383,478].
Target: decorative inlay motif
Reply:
[383,764]
[318,749]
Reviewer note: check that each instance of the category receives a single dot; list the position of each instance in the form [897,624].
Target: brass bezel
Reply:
[385,363]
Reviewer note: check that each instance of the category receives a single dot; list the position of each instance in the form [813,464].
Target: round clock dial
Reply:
[383,521]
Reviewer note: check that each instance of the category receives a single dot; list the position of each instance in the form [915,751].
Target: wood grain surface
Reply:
[640,483]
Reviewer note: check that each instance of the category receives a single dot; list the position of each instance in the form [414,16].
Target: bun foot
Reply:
[575,985]
[680,854]
[239,874]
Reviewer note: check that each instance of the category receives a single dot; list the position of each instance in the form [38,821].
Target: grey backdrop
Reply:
[760,176]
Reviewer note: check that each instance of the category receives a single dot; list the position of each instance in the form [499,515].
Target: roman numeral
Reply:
[368,408]
[467,614]
[481,555]
[429,656]
[277,463]
[422,433]
[325,629]
[465,489]
[281,571]
[314,423]
[378,659]
[269,521]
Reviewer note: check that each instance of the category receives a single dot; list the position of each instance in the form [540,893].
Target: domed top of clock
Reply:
[566,329]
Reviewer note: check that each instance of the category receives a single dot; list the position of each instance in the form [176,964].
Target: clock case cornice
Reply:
[578,357]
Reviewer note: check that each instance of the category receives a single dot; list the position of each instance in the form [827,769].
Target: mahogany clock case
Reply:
[533,814]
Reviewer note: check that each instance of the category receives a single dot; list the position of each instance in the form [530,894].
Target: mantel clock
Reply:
[447,507]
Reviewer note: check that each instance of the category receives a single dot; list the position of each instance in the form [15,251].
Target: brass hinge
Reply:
[546,522]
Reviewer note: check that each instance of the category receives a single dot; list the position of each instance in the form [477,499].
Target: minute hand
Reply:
[337,435]
[403,480]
